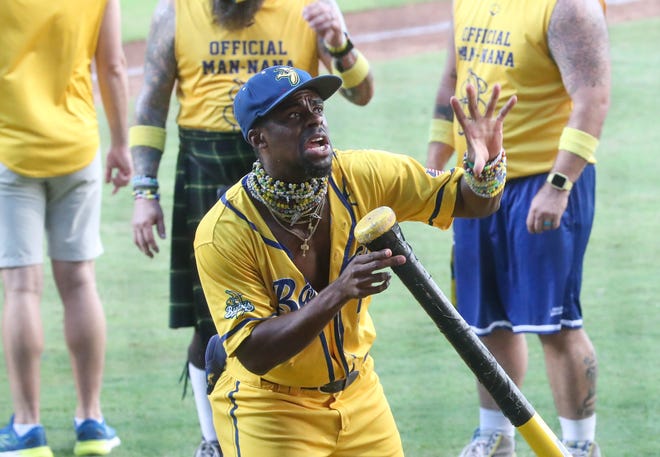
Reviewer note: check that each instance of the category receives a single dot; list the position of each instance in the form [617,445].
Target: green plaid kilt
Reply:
[208,164]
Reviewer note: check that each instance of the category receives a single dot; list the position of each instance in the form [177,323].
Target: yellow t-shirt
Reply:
[213,63]
[504,43]
[48,124]
[247,276]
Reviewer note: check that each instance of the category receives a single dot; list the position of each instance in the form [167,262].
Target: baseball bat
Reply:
[379,230]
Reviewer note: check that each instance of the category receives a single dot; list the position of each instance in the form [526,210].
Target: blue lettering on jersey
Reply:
[486,55]
[481,35]
[284,289]
[492,39]
[232,56]
[236,305]
[255,65]
[226,67]
[247,48]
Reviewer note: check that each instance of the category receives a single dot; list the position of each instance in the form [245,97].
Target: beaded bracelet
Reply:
[146,194]
[144,182]
[492,179]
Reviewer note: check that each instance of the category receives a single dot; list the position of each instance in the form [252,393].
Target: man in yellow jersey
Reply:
[50,177]
[554,56]
[208,49]
[289,287]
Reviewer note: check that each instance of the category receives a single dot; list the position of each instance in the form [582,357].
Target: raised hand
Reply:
[483,132]
[326,20]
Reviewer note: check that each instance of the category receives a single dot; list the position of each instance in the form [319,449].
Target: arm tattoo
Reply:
[159,69]
[578,43]
[444,112]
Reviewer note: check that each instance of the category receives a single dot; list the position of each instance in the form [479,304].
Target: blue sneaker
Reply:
[95,438]
[32,444]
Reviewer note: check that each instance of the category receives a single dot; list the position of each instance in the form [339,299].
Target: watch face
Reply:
[558,181]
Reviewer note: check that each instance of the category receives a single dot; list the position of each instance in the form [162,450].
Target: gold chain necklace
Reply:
[312,224]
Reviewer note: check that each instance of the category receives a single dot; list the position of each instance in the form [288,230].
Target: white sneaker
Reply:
[492,445]
[208,449]
[582,448]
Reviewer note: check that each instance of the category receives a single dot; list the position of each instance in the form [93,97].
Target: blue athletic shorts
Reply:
[508,277]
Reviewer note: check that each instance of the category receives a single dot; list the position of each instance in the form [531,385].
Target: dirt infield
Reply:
[398,32]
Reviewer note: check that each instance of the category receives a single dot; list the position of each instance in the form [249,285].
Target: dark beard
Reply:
[235,16]
[315,170]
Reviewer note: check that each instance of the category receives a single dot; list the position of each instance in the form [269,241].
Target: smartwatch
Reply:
[559,181]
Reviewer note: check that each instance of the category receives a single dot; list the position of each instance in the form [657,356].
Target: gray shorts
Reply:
[66,208]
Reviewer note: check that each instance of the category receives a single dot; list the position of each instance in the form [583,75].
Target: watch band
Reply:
[338,53]
[559,181]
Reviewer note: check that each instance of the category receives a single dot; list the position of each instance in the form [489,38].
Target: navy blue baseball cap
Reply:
[267,89]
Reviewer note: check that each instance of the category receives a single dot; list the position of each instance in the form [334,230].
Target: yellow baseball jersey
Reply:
[213,63]
[48,124]
[248,276]
[509,47]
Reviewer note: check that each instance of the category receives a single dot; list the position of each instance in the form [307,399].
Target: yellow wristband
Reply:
[356,74]
[147,135]
[442,130]
[334,50]
[579,143]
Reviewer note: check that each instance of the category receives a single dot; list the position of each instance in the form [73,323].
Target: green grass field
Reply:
[431,391]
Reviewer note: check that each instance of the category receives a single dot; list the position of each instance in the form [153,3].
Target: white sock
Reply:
[578,430]
[491,420]
[204,413]
[22,429]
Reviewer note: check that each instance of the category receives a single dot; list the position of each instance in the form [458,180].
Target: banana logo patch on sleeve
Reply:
[237,305]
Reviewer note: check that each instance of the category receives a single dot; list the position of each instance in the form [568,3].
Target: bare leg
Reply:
[510,350]
[23,339]
[572,370]
[85,331]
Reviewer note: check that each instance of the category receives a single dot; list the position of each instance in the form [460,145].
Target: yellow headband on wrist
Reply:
[441,130]
[356,74]
[579,143]
[147,135]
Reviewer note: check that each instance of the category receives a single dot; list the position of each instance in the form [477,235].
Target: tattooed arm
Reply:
[151,109]
[153,102]
[578,42]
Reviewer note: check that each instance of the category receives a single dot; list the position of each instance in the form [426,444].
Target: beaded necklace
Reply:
[293,203]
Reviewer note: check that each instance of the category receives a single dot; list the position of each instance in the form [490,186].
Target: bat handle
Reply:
[379,230]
